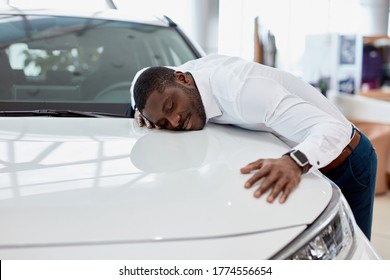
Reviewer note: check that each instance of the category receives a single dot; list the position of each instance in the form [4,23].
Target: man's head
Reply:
[169,99]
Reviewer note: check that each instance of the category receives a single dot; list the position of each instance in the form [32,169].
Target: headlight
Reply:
[331,236]
[333,242]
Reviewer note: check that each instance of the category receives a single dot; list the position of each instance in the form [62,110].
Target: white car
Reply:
[80,184]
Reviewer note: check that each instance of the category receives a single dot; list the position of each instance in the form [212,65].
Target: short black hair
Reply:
[153,78]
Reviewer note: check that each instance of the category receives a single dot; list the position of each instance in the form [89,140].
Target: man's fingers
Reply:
[138,118]
[256,177]
[276,190]
[277,177]
[286,193]
[283,189]
[251,166]
[141,121]
[148,123]
[272,181]
[260,191]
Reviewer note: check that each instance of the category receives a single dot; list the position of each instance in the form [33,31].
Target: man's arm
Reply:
[319,136]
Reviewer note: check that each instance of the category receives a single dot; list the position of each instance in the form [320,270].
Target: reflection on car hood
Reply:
[77,180]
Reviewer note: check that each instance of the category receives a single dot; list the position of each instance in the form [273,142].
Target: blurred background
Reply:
[227,26]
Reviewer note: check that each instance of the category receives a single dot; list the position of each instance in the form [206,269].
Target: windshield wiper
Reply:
[59,113]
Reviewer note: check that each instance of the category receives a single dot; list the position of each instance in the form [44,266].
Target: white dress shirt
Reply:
[257,97]
[254,96]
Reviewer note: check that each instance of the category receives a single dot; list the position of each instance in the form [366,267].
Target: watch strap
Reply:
[305,167]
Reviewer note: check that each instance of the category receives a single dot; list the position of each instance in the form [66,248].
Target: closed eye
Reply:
[169,106]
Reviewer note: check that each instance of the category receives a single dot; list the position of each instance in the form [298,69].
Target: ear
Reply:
[182,78]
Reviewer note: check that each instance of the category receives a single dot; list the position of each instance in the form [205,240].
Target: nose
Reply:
[174,120]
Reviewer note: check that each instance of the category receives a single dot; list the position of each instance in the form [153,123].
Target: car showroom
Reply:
[195,130]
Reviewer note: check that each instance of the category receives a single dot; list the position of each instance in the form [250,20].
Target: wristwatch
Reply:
[300,159]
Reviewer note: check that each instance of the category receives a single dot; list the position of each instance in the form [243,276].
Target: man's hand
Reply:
[281,175]
[141,120]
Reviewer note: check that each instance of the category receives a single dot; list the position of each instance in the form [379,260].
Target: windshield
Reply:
[79,63]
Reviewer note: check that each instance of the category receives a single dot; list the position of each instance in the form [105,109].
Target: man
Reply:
[230,90]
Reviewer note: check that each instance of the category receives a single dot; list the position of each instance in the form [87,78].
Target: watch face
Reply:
[300,157]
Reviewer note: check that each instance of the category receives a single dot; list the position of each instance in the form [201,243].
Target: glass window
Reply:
[77,60]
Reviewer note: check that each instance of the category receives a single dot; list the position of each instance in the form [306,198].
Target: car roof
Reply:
[108,14]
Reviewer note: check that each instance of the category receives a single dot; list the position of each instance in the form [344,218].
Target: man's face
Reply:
[176,108]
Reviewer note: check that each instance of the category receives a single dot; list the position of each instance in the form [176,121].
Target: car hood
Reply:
[94,180]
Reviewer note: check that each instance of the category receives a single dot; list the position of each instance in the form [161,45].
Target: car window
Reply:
[79,63]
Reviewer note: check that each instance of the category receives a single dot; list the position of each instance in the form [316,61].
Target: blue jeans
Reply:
[356,178]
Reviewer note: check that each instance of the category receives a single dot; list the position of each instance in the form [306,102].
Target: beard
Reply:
[195,101]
